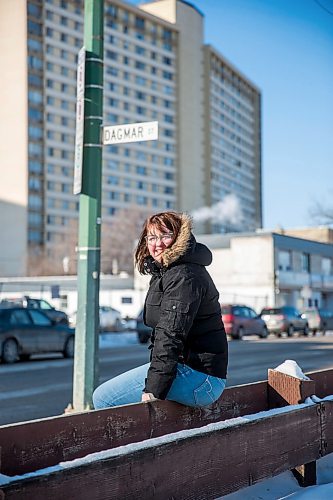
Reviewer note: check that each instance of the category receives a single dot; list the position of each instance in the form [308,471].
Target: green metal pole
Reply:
[87,328]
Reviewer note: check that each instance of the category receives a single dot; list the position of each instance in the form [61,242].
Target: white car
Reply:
[109,319]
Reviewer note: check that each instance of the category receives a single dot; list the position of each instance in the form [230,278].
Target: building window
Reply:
[140,65]
[35,96]
[34,149]
[34,80]
[284,260]
[126,300]
[34,28]
[35,201]
[306,262]
[326,266]
[35,166]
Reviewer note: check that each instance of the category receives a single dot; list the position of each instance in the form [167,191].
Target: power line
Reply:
[323,7]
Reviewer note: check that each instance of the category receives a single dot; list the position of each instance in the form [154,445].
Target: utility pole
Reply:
[89,186]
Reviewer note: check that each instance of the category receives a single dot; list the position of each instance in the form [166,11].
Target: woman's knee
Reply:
[98,400]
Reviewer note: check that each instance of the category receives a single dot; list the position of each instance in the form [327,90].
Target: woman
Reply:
[189,352]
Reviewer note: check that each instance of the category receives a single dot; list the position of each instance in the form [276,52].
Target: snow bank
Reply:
[285,486]
[290,367]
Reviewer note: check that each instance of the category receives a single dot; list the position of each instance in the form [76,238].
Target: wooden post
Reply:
[286,390]
[283,390]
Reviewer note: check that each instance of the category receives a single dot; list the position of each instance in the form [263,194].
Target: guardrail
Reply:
[204,453]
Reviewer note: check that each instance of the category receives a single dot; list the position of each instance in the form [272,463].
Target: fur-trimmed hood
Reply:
[185,248]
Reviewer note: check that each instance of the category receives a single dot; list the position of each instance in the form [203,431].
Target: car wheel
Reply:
[264,333]
[118,325]
[10,351]
[290,331]
[69,348]
[240,333]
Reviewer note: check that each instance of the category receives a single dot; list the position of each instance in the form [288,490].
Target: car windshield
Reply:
[271,311]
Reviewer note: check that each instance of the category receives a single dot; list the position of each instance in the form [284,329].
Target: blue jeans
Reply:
[190,387]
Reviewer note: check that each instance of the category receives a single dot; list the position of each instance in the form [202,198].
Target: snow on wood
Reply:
[290,367]
[151,443]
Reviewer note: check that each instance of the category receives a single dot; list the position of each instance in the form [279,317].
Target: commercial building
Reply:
[257,269]
[269,269]
[156,67]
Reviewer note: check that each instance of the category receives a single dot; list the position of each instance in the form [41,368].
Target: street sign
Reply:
[130,132]
[78,158]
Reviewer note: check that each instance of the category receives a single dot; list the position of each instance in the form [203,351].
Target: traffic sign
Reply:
[78,156]
[130,132]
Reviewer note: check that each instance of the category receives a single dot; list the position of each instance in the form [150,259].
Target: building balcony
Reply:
[296,280]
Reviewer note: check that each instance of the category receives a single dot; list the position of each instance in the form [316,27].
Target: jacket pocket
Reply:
[176,313]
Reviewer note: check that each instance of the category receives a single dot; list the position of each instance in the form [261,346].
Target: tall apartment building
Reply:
[156,67]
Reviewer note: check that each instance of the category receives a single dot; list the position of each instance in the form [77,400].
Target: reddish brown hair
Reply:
[170,220]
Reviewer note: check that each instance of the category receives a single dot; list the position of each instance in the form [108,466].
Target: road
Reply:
[42,387]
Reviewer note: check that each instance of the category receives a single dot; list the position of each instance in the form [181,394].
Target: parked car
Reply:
[26,331]
[143,331]
[241,320]
[110,319]
[46,307]
[318,319]
[284,319]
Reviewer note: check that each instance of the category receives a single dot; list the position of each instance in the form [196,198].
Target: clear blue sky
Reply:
[285,47]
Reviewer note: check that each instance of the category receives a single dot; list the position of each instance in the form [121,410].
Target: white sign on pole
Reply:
[78,160]
[130,132]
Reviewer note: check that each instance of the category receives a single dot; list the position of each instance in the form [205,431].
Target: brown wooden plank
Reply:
[287,390]
[29,446]
[326,410]
[324,382]
[204,466]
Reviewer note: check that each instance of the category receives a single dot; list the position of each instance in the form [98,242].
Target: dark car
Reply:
[143,331]
[319,320]
[284,319]
[240,320]
[26,331]
[26,301]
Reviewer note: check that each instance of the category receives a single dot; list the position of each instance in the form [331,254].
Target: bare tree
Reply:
[118,240]
[57,259]
[321,213]
[117,246]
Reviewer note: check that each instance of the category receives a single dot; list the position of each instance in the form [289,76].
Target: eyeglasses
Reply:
[152,239]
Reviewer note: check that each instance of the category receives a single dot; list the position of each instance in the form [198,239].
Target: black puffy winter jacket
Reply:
[182,306]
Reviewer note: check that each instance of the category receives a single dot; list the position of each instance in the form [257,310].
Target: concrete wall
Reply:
[13,133]
[244,273]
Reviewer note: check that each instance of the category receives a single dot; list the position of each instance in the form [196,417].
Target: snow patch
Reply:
[290,367]
[285,486]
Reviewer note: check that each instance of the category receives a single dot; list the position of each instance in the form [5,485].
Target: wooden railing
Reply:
[206,462]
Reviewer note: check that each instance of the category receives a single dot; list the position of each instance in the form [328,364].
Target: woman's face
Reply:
[158,241]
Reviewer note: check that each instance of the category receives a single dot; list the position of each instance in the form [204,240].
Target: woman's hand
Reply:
[148,396]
